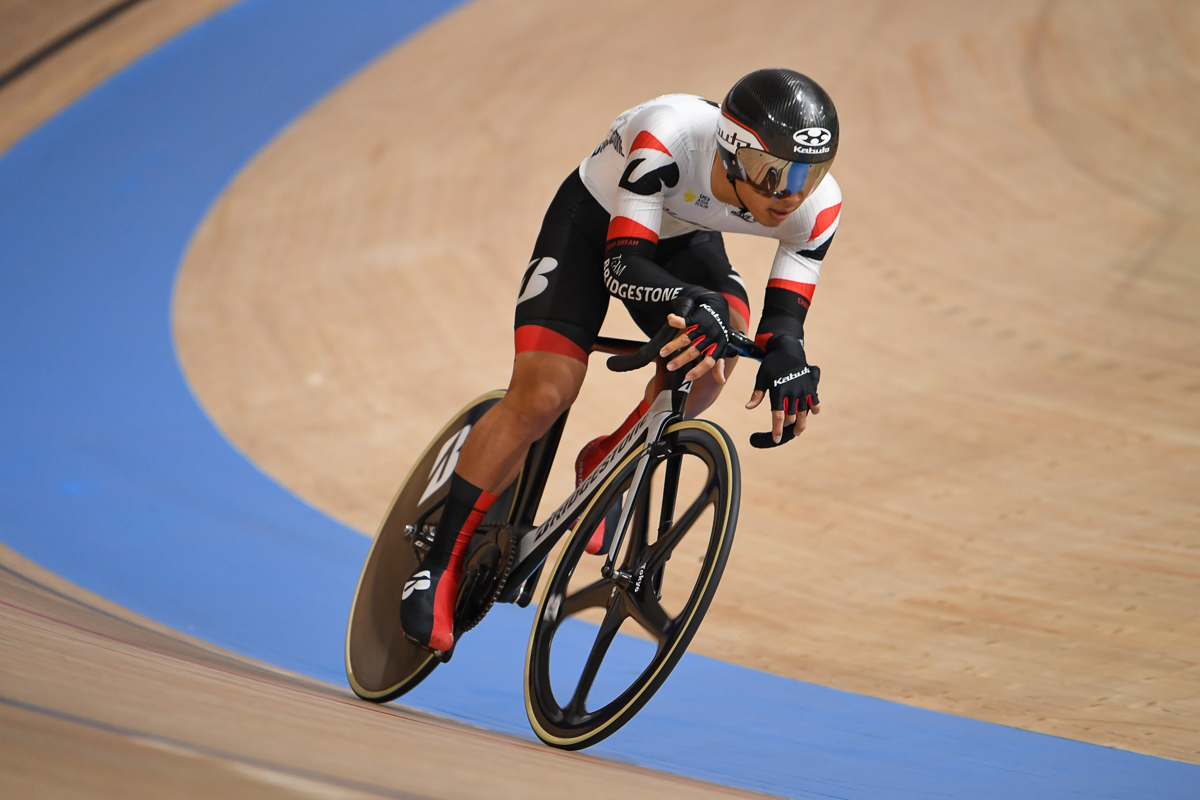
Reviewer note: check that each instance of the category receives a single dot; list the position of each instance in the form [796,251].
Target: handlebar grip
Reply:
[763,440]
[743,345]
[645,354]
[649,351]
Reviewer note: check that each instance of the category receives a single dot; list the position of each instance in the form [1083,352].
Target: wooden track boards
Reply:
[26,25]
[97,702]
[995,516]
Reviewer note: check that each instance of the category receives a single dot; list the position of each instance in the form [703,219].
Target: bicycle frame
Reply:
[534,543]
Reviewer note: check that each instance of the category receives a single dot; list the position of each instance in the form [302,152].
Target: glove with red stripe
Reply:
[791,383]
[707,321]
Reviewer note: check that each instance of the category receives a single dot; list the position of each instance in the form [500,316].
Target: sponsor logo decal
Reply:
[712,312]
[614,139]
[812,137]
[570,508]
[701,200]
[417,583]
[735,135]
[444,464]
[637,587]
[631,291]
[647,176]
[791,377]
[535,281]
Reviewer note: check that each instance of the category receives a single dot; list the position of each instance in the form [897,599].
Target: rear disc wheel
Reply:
[381,664]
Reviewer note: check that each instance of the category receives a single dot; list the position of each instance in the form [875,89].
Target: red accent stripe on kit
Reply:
[648,141]
[446,595]
[625,228]
[824,220]
[762,339]
[535,338]
[737,304]
[478,512]
[805,290]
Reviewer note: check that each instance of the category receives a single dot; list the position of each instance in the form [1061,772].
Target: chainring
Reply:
[485,571]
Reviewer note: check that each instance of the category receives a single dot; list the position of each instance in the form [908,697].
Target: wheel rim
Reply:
[572,712]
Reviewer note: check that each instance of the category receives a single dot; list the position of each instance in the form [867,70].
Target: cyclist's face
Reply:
[770,212]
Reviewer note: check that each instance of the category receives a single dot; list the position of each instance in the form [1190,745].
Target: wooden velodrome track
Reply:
[996,514]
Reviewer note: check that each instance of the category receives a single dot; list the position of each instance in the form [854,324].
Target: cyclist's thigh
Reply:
[563,299]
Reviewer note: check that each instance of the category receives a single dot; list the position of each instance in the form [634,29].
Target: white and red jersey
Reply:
[653,175]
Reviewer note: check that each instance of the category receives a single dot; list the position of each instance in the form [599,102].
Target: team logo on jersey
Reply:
[650,166]
[535,281]
[647,176]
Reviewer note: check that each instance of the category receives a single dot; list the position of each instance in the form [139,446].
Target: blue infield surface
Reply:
[112,476]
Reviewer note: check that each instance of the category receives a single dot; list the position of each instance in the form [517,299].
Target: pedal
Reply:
[422,539]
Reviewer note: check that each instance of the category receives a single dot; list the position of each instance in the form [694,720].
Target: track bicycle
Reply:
[669,492]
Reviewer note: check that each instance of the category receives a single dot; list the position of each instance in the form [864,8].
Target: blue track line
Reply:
[112,476]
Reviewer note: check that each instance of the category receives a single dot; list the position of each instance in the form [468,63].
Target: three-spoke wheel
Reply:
[582,681]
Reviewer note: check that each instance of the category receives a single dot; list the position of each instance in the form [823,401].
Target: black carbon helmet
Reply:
[772,116]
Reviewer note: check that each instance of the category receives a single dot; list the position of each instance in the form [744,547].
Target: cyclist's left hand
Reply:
[791,383]
[704,338]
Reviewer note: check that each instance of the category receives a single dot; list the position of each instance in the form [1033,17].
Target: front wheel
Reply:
[582,681]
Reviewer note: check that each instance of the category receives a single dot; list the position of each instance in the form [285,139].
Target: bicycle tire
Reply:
[381,664]
[572,726]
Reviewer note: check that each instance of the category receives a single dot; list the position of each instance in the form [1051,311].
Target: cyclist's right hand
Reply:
[703,318]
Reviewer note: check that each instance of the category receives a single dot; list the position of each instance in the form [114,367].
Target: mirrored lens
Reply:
[779,177]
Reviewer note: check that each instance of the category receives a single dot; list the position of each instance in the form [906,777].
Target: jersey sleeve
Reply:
[798,264]
[652,169]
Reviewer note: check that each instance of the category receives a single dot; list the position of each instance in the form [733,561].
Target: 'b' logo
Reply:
[444,464]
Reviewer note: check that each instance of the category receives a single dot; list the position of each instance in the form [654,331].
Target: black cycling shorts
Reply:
[563,299]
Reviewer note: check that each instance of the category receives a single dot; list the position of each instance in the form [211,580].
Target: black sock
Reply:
[460,502]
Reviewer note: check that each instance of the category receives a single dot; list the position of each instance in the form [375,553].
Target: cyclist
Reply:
[641,220]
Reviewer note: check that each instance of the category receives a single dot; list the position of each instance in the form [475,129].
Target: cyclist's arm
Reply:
[784,374]
[796,269]
[651,170]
